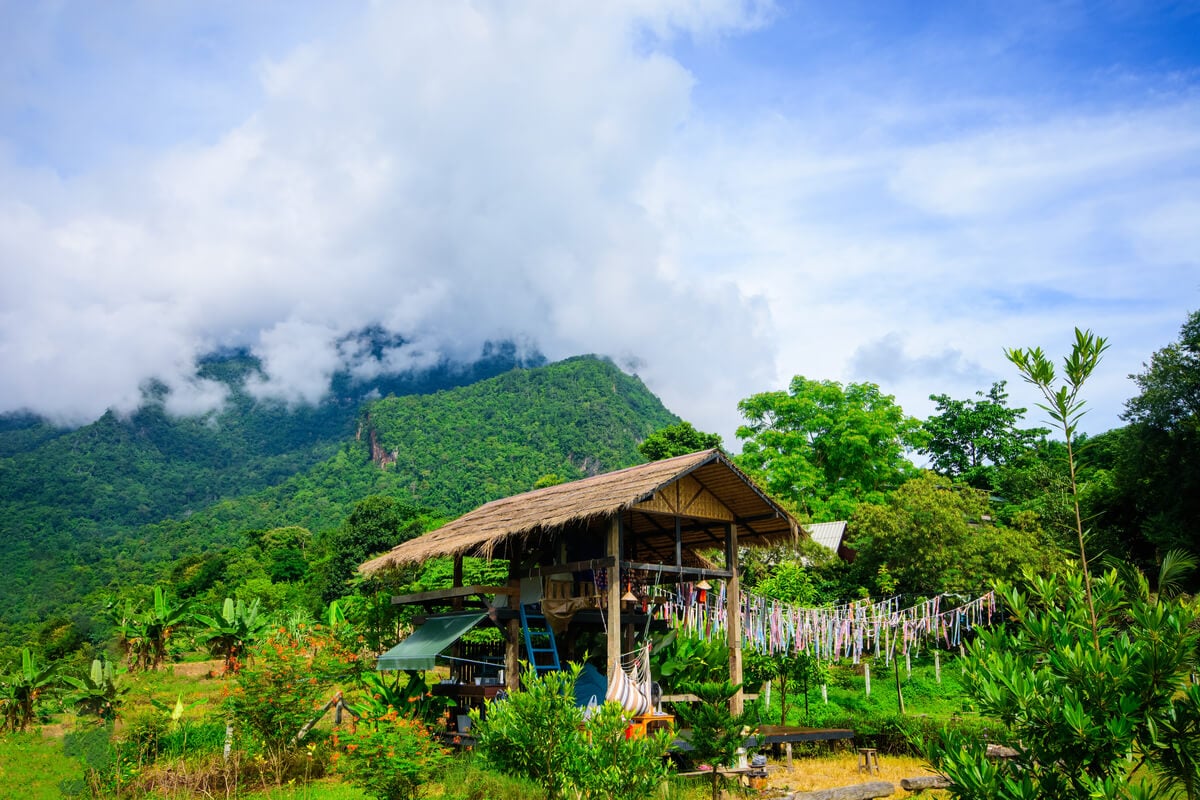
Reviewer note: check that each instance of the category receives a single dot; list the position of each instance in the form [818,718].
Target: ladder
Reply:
[540,647]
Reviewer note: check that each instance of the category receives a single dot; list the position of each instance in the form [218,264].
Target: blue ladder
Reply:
[540,647]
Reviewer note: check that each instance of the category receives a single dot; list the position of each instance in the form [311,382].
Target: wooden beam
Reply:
[435,595]
[575,566]
[690,572]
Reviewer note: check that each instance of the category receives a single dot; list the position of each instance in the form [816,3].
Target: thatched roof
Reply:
[705,488]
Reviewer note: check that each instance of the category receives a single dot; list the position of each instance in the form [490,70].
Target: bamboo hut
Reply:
[650,520]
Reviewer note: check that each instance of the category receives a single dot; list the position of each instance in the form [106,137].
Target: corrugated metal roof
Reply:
[827,534]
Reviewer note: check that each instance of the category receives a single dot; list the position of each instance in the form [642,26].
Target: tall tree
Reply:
[969,438]
[677,440]
[1159,466]
[824,448]
[376,524]
[932,536]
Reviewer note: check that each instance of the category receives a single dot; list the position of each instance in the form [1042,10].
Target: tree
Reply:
[376,524]
[233,632]
[932,536]
[677,440]
[824,448]
[145,634]
[22,691]
[1081,715]
[1158,467]
[1066,409]
[967,438]
[789,583]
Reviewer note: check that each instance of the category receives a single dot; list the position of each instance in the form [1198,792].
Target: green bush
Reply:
[539,733]
[390,758]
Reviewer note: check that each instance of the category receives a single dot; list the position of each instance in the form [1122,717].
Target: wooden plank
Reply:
[781,734]
[434,595]
[683,572]
[575,566]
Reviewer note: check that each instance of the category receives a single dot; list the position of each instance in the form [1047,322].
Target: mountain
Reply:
[120,500]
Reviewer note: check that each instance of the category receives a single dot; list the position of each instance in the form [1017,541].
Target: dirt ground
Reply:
[841,769]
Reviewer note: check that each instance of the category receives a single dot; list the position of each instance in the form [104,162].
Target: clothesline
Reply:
[849,631]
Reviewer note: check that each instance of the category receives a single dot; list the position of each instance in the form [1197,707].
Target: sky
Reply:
[717,194]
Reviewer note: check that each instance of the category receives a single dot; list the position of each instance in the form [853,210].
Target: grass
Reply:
[36,764]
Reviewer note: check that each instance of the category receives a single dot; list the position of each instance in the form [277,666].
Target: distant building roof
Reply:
[827,534]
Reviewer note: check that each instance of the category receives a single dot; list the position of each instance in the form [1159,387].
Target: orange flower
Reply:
[351,747]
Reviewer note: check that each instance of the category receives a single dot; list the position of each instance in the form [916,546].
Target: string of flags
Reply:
[850,631]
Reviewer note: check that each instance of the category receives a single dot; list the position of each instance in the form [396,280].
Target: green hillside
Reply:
[118,502]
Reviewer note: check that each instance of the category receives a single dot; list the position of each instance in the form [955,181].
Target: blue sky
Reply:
[717,194]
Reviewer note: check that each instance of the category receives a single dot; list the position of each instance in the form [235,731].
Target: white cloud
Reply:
[462,172]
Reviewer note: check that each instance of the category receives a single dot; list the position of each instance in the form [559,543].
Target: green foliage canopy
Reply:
[823,447]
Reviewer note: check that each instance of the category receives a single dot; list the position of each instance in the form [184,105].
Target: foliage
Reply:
[413,700]
[22,691]
[534,732]
[96,694]
[391,757]
[677,440]
[967,438]
[716,733]
[144,634]
[1080,711]
[1066,409]
[229,635]
[789,583]
[676,658]
[824,448]
[1158,470]
[376,524]
[540,733]
[932,536]
[283,688]
[122,499]
[613,765]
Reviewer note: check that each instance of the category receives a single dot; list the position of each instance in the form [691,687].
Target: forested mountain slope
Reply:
[120,500]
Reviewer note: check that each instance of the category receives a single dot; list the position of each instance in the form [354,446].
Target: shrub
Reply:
[540,733]
[390,758]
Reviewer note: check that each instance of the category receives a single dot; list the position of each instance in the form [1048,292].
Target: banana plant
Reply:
[22,691]
[97,693]
[233,632]
[145,634]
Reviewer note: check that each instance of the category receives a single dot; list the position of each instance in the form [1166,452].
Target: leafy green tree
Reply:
[1159,469]
[677,440]
[1065,408]
[790,583]
[824,448]
[932,536]
[968,438]
[376,524]
[229,635]
[716,733]
[24,689]
[1082,714]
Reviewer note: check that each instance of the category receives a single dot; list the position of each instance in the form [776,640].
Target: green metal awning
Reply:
[423,645]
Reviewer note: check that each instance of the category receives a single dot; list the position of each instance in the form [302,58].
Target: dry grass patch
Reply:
[809,773]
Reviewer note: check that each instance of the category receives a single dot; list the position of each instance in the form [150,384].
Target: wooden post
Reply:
[457,602]
[733,610]
[512,656]
[867,676]
[899,691]
[908,664]
[825,693]
[937,666]
[614,596]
